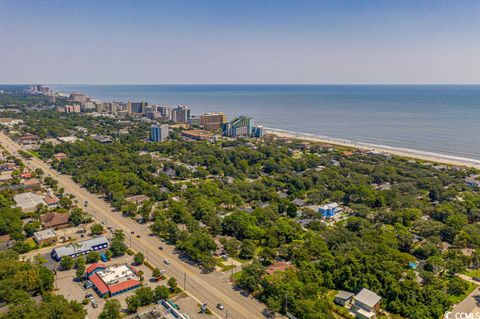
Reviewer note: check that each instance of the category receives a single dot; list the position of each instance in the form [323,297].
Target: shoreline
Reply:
[397,151]
[402,152]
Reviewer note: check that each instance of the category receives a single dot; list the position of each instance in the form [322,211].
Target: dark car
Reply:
[160,247]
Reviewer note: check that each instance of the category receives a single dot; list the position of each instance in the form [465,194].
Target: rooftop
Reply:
[344,295]
[116,274]
[368,297]
[44,234]
[54,219]
[80,246]
[28,200]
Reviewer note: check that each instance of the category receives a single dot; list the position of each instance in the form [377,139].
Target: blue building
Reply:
[329,210]
[257,131]
[80,248]
[158,133]
[242,127]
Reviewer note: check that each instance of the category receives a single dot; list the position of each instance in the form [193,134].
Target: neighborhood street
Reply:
[209,288]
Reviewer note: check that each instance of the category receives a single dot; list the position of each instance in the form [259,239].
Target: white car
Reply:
[167,262]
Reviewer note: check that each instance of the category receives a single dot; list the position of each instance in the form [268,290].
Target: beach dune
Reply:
[409,153]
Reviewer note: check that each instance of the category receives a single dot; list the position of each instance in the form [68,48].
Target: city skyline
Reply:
[190,42]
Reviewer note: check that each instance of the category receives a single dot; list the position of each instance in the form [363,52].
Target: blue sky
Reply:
[357,41]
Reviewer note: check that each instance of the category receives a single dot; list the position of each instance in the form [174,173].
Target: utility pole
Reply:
[185,282]
[286,303]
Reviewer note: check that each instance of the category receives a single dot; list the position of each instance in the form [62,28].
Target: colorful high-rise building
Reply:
[213,121]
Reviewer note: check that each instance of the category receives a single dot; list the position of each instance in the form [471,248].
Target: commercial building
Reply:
[181,114]
[198,135]
[78,97]
[136,107]
[158,133]
[47,236]
[80,248]
[74,108]
[239,127]
[258,131]
[194,121]
[113,280]
[213,121]
[28,201]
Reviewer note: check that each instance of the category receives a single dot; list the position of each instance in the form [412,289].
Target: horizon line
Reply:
[257,84]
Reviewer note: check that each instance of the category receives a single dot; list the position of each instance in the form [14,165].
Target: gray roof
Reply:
[368,297]
[80,246]
[344,295]
[44,234]
[298,202]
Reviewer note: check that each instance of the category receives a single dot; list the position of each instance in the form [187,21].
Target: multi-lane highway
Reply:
[209,288]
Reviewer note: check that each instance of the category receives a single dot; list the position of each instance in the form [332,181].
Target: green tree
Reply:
[172,284]
[139,258]
[67,263]
[96,229]
[31,228]
[118,247]
[93,257]
[80,265]
[65,202]
[111,310]
[248,250]
[161,292]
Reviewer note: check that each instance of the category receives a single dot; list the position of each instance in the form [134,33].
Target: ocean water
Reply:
[441,119]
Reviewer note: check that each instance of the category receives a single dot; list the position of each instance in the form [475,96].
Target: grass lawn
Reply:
[457,299]
[221,263]
[472,272]
[34,153]
[241,260]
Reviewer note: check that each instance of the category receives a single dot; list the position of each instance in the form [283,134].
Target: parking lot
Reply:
[66,285]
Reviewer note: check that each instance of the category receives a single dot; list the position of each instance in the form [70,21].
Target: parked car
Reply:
[94,304]
[476,278]
[160,247]
[167,262]
[220,306]
[103,257]
[90,297]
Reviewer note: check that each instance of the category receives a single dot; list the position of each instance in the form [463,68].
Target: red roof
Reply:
[124,285]
[94,266]
[98,282]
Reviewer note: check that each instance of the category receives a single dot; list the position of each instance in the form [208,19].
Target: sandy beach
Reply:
[414,154]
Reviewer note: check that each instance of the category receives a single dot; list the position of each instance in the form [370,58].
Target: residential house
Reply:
[137,199]
[54,220]
[344,298]
[366,303]
[47,236]
[51,200]
[60,156]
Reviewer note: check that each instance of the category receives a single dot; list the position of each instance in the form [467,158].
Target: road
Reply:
[209,288]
